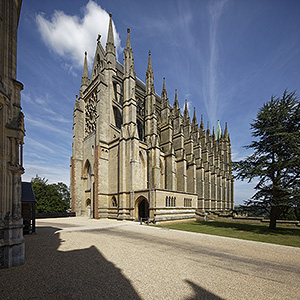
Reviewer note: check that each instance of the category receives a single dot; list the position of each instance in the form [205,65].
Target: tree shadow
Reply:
[53,274]
[201,293]
[255,228]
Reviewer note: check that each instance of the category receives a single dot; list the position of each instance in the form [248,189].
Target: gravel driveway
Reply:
[79,258]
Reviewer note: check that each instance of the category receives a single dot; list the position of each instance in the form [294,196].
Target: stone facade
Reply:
[136,156]
[11,139]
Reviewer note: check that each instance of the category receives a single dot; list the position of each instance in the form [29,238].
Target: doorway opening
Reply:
[143,209]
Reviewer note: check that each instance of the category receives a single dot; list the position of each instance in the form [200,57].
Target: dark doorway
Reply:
[143,209]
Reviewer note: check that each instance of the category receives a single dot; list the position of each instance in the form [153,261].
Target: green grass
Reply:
[260,233]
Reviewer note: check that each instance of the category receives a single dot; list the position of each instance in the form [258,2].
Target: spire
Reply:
[149,67]
[186,112]
[128,57]
[110,46]
[226,132]
[218,131]
[213,133]
[207,130]
[176,103]
[201,124]
[149,76]
[128,43]
[85,73]
[194,117]
[164,95]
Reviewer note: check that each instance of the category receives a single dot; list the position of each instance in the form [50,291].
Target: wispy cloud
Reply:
[41,124]
[216,9]
[70,36]
[41,106]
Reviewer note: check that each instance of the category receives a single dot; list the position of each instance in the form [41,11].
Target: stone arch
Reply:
[141,208]
[87,175]
[114,202]
[88,207]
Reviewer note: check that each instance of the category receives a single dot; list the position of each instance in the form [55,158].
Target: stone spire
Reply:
[110,46]
[186,111]
[164,91]
[85,74]
[201,124]
[207,130]
[128,57]
[164,95]
[149,76]
[176,103]
[194,117]
[226,132]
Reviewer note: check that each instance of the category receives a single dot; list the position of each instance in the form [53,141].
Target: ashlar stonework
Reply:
[11,139]
[136,156]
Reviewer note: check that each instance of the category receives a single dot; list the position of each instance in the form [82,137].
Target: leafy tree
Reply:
[276,157]
[51,198]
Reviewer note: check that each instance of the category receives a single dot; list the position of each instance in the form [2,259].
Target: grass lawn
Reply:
[282,235]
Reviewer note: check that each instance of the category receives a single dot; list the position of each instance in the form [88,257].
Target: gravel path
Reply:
[78,258]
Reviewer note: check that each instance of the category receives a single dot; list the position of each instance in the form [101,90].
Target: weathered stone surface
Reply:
[11,139]
[131,145]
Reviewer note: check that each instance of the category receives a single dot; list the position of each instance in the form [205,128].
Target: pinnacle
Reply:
[110,36]
[128,43]
[176,104]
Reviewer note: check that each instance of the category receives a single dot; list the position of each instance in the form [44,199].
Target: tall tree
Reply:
[276,158]
[51,198]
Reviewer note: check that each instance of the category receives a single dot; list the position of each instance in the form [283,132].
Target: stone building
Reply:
[136,156]
[11,139]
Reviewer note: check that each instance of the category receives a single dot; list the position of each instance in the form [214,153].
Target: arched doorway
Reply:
[143,209]
[88,208]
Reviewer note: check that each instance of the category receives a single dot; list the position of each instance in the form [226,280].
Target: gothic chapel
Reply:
[134,155]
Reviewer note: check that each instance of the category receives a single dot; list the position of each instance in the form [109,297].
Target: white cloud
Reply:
[71,36]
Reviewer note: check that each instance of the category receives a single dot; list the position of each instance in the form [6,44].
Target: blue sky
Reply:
[225,57]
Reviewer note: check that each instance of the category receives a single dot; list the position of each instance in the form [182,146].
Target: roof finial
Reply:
[194,117]
[186,112]
[176,103]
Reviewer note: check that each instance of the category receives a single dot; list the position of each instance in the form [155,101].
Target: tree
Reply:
[276,157]
[51,198]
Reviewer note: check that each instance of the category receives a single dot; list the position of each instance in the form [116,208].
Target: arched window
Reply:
[118,117]
[88,175]
[114,202]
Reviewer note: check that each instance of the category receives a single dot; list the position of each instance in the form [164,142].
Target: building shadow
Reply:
[201,293]
[53,274]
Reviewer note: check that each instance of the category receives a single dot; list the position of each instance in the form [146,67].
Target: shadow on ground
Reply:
[255,228]
[201,293]
[53,274]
